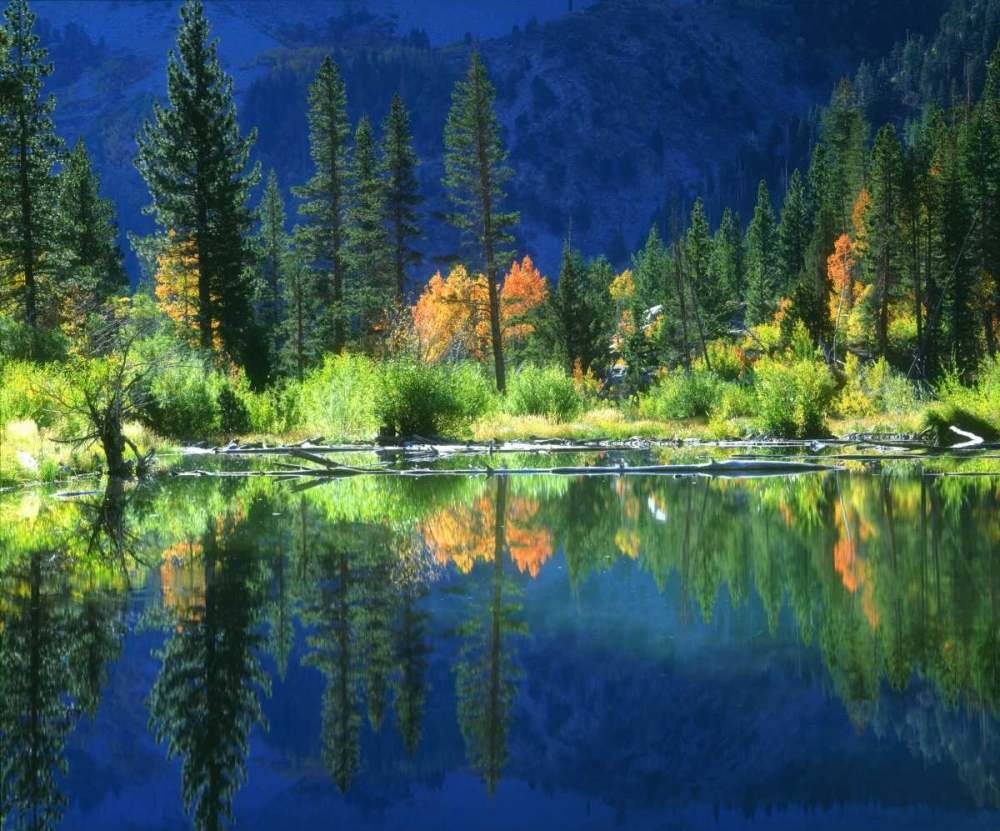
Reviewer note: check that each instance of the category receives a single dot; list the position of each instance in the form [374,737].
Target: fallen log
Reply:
[727,469]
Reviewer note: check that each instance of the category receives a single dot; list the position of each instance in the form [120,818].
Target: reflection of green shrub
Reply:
[543,391]
[680,394]
[792,397]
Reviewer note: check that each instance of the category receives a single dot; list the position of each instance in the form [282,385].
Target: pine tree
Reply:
[575,320]
[809,299]
[29,151]
[369,247]
[981,181]
[87,259]
[762,260]
[728,262]
[272,251]
[883,232]
[845,135]
[272,244]
[794,233]
[195,163]
[402,196]
[706,297]
[322,239]
[297,333]
[475,175]
[951,295]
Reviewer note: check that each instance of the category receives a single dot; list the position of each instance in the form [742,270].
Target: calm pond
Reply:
[528,652]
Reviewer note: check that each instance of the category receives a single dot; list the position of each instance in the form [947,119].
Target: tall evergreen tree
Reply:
[883,231]
[575,318]
[195,162]
[476,173]
[728,261]
[794,233]
[272,244]
[981,175]
[369,247]
[402,195]
[322,239]
[299,340]
[29,151]
[762,261]
[810,296]
[87,259]
[705,294]
[845,135]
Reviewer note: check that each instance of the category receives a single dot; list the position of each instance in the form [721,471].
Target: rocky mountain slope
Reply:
[612,108]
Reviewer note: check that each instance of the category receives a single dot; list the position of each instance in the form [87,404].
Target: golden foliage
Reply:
[452,315]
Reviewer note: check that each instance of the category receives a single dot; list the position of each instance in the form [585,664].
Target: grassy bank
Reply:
[355,398]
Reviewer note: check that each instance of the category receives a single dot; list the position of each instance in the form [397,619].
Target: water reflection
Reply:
[522,629]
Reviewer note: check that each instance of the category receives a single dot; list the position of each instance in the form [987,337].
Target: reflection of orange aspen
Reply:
[464,535]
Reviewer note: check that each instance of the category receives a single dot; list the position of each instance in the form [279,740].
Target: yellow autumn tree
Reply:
[177,286]
[451,317]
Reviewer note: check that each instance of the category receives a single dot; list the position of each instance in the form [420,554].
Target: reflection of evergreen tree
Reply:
[97,629]
[207,696]
[35,713]
[280,612]
[374,621]
[332,610]
[412,649]
[486,674]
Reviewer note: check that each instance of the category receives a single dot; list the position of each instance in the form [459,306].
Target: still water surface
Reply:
[811,652]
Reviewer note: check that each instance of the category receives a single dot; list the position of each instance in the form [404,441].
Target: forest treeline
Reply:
[873,284]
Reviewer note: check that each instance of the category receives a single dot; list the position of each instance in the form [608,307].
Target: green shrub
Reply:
[21,342]
[972,407]
[792,397]
[681,394]
[26,392]
[234,417]
[735,401]
[337,399]
[875,390]
[183,401]
[727,361]
[543,391]
[942,416]
[414,398]
[271,410]
[474,391]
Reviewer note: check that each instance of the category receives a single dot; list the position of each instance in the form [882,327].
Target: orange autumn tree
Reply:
[846,288]
[451,317]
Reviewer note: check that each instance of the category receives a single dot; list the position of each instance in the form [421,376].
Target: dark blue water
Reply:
[818,652]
